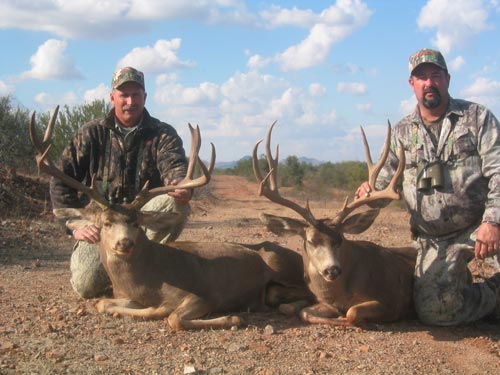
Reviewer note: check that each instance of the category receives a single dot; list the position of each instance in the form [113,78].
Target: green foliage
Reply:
[343,175]
[15,147]
[69,120]
[16,150]
[292,172]
[244,168]
[317,180]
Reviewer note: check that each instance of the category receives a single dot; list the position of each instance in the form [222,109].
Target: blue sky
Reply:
[320,68]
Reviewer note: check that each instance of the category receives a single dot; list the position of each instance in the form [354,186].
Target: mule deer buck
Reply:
[184,281]
[354,282]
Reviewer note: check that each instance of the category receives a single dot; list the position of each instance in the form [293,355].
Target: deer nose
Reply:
[124,245]
[331,273]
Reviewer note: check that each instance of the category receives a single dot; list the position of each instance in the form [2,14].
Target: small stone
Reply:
[269,330]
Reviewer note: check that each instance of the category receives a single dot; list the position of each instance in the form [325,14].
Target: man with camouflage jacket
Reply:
[121,151]
[451,185]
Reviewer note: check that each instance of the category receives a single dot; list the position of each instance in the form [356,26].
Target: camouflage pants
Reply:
[444,293]
[88,276]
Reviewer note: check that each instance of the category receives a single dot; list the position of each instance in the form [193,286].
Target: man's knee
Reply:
[170,231]
[439,310]
[88,276]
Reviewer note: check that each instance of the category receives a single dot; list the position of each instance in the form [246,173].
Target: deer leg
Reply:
[277,295]
[370,311]
[323,314]
[186,316]
[290,300]
[293,308]
[127,307]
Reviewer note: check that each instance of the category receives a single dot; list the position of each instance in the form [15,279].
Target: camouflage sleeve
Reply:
[74,163]
[489,150]
[171,157]
[386,173]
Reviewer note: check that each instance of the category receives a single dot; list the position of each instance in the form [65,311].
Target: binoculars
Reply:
[429,175]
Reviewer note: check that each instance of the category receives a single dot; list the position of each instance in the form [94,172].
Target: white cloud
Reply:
[455,64]
[407,106]
[162,56]
[211,12]
[49,101]
[101,19]
[172,93]
[6,89]
[482,87]
[101,92]
[333,25]
[364,107]
[67,19]
[317,90]
[257,62]
[456,22]
[51,62]
[238,111]
[484,91]
[353,88]
[278,17]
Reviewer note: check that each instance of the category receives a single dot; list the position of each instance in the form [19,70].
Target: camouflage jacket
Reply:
[121,163]
[469,152]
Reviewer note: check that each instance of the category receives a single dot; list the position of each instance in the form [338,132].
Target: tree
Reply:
[69,120]
[292,172]
[16,150]
[15,147]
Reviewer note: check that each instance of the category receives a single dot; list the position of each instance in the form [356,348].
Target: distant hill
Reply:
[231,164]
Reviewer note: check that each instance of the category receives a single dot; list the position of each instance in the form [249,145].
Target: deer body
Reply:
[211,277]
[362,284]
[185,280]
[354,282]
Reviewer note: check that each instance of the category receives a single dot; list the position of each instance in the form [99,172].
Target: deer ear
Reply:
[283,225]
[158,220]
[360,222]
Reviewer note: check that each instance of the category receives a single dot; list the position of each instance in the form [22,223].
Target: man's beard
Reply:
[434,102]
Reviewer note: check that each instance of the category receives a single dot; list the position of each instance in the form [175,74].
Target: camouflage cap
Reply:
[427,56]
[127,74]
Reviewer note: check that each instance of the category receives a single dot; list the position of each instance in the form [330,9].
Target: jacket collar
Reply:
[454,108]
[110,119]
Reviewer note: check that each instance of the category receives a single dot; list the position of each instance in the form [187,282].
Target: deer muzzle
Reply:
[331,273]
[124,246]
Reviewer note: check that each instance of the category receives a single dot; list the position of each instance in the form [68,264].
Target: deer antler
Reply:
[46,165]
[188,182]
[389,192]
[271,192]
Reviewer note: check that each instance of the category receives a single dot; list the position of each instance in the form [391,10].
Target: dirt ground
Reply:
[45,328]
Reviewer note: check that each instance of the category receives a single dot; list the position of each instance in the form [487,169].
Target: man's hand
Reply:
[364,190]
[181,196]
[90,234]
[488,236]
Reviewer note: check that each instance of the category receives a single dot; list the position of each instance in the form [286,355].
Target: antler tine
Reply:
[390,192]
[42,145]
[255,162]
[195,148]
[272,162]
[50,127]
[212,160]
[271,192]
[188,182]
[45,164]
